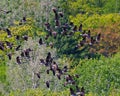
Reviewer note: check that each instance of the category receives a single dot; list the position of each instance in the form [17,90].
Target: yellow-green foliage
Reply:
[28,28]
[95,20]
[38,92]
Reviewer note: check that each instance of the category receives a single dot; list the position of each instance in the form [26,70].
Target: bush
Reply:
[101,76]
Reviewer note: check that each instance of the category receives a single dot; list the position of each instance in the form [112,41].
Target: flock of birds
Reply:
[66,29]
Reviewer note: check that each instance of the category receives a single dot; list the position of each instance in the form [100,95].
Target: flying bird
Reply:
[48,84]
[18,48]
[8,32]
[9,56]
[18,60]
[80,28]
[40,41]
[25,37]
[9,44]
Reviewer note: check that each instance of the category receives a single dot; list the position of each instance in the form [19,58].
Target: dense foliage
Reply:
[96,66]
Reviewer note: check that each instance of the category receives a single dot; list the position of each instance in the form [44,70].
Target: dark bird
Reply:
[61,14]
[65,69]
[49,54]
[78,93]
[65,84]
[80,28]
[54,66]
[82,43]
[46,37]
[76,75]
[92,41]
[2,47]
[27,52]
[48,59]
[48,84]
[8,32]
[40,41]
[9,44]
[18,60]
[18,48]
[51,45]
[82,92]
[58,75]
[89,34]
[38,75]
[75,28]
[54,34]
[47,71]
[59,71]
[1,43]
[57,23]
[8,11]
[54,10]
[25,37]
[98,37]
[69,79]
[71,24]
[72,92]
[47,25]
[22,54]
[42,61]
[24,19]
[56,13]
[9,56]
[17,37]
[53,71]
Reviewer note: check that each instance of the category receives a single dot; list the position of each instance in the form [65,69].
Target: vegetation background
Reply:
[98,67]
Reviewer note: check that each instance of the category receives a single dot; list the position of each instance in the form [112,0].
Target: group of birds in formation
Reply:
[66,29]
